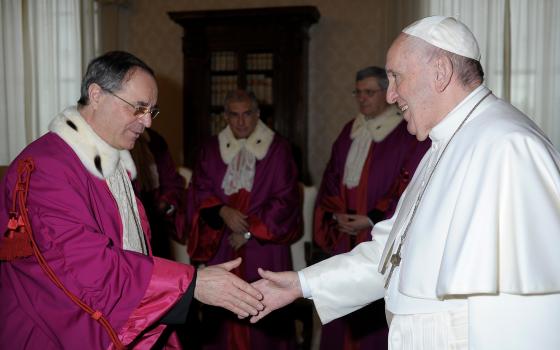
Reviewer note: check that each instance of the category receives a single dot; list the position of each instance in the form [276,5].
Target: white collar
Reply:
[445,128]
[99,158]
[257,143]
[380,126]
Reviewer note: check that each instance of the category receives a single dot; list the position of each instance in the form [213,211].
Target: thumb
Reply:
[269,275]
[232,264]
[262,272]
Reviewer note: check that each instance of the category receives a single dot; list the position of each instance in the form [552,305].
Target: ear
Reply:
[444,72]
[95,93]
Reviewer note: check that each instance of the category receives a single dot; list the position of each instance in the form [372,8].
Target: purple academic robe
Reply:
[386,173]
[273,208]
[77,226]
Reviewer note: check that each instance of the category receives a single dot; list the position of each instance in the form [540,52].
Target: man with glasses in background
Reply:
[247,204]
[372,161]
[93,233]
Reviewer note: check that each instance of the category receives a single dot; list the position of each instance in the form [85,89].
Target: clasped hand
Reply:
[352,223]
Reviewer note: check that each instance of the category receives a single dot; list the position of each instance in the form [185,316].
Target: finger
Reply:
[243,304]
[230,265]
[262,273]
[251,294]
[240,312]
[259,316]
[244,225]
[271,276]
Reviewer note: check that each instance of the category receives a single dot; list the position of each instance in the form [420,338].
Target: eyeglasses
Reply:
[367,92]
[139,111]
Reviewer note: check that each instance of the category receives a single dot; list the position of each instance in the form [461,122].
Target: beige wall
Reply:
[349,35]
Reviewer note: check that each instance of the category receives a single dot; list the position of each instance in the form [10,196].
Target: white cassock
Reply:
[483,248]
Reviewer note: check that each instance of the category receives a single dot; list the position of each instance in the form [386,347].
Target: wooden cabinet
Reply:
[264,50]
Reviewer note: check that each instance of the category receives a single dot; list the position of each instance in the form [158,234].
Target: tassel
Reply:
[15,242]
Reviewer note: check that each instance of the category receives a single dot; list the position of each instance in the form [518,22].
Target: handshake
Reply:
[216,286]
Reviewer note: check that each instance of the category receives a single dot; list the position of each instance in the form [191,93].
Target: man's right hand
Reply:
[234,219]
[216,286]
[278,288]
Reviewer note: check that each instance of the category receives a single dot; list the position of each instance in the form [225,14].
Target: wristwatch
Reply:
[247,235]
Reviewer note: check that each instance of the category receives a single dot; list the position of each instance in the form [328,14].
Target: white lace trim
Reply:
[241,156]
[121,188]
[240,172]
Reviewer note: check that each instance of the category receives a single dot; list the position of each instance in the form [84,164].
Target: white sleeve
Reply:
[305,290]
[350,281]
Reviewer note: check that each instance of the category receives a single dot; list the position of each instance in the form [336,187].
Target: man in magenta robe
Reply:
[93,233]
[371,162]
[248,205]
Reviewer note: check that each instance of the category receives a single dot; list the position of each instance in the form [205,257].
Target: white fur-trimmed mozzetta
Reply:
[99,158]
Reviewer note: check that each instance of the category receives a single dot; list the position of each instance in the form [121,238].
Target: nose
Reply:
[361,97]
[241,121]
[391,94]
[146,120]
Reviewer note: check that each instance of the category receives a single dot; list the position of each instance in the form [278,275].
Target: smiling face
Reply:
[113,119]
[411,86]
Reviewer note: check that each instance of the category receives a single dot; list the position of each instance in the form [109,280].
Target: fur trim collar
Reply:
[380,126]
[257,143]
[98,156]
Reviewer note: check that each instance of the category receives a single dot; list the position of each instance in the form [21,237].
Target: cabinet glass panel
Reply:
[259,61]
[220,85]
[261,86]
[223,61]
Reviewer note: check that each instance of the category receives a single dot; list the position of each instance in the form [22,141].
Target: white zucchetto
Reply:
[447,33]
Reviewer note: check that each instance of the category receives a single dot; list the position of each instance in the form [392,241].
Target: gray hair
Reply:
[109,71]
[468,70]
[241,95]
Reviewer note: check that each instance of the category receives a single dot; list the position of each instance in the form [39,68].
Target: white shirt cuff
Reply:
[305,290]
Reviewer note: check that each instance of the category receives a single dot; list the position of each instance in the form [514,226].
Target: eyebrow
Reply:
[145,104]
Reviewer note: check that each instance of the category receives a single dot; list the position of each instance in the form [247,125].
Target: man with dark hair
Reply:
[470,258]
[247,205]
[371,163]
[92,233]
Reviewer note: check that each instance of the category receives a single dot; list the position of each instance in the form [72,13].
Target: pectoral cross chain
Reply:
[395,261]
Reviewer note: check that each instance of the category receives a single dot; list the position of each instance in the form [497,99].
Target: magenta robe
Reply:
[386,173]
[274,215]
[77,226]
